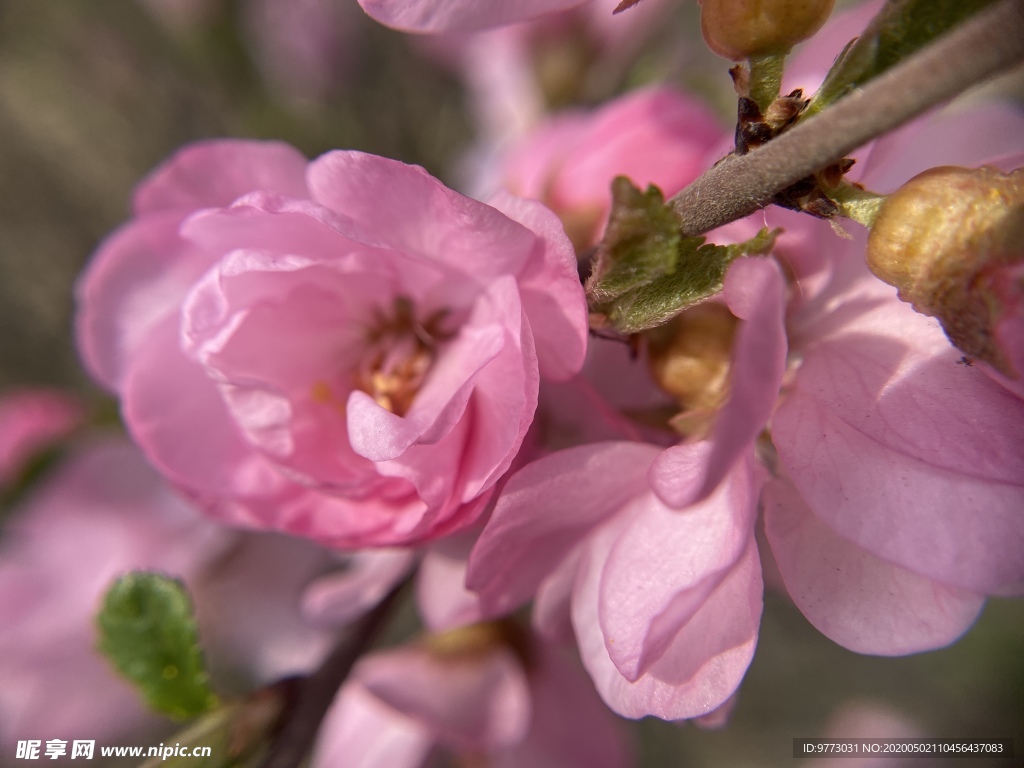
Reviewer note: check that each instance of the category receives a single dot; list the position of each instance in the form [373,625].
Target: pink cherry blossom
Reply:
[650,552]
[344,350]
[897,506]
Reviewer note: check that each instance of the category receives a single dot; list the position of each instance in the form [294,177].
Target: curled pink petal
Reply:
[360,731]
[703,664]
[665,564]
[899,449]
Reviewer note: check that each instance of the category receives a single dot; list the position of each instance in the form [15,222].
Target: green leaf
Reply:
[147,630]
[640,244]
[698,276]
[899,29]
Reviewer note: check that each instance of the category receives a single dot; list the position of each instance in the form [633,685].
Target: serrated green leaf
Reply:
[640,244]
[698,276]
[147,630]
[899,29]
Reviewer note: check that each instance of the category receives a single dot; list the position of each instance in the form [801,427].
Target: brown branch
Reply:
[987,44]
[316,692]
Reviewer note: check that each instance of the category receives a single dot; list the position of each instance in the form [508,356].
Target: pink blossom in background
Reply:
[478,690]
[32,420]
[511,705]
[100,514]
[343,350]
[656,135]
[516,74]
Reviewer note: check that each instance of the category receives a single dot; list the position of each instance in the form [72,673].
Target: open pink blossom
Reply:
[651,553]
[665,602]
[344,350]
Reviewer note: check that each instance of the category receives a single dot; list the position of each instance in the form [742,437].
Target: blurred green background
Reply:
[94,93]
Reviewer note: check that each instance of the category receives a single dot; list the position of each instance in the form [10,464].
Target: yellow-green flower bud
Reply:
[739,29]
[950,240]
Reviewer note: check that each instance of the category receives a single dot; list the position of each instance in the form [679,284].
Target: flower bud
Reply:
[738,29]
[952,241]
[690,359]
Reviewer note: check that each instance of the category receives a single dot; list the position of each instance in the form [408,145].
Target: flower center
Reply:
[400,353]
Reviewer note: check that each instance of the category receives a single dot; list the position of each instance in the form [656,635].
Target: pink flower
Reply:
[897,506]
[30,421]
[475,689]
[900,505]
[655,136]
[344,350]
[470,694]
[460,15]
[650,552]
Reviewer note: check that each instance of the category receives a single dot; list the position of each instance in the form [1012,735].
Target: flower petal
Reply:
[666,562]
[952,526]
[138,275]
[859,601]
[543,513]
[551,291]
[338,598]
[441,594]
[474,701]
[706,660]
[209,174]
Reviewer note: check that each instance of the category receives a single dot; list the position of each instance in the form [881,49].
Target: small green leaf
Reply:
[899,29]
[698,276]
[147,630]
[640,244]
